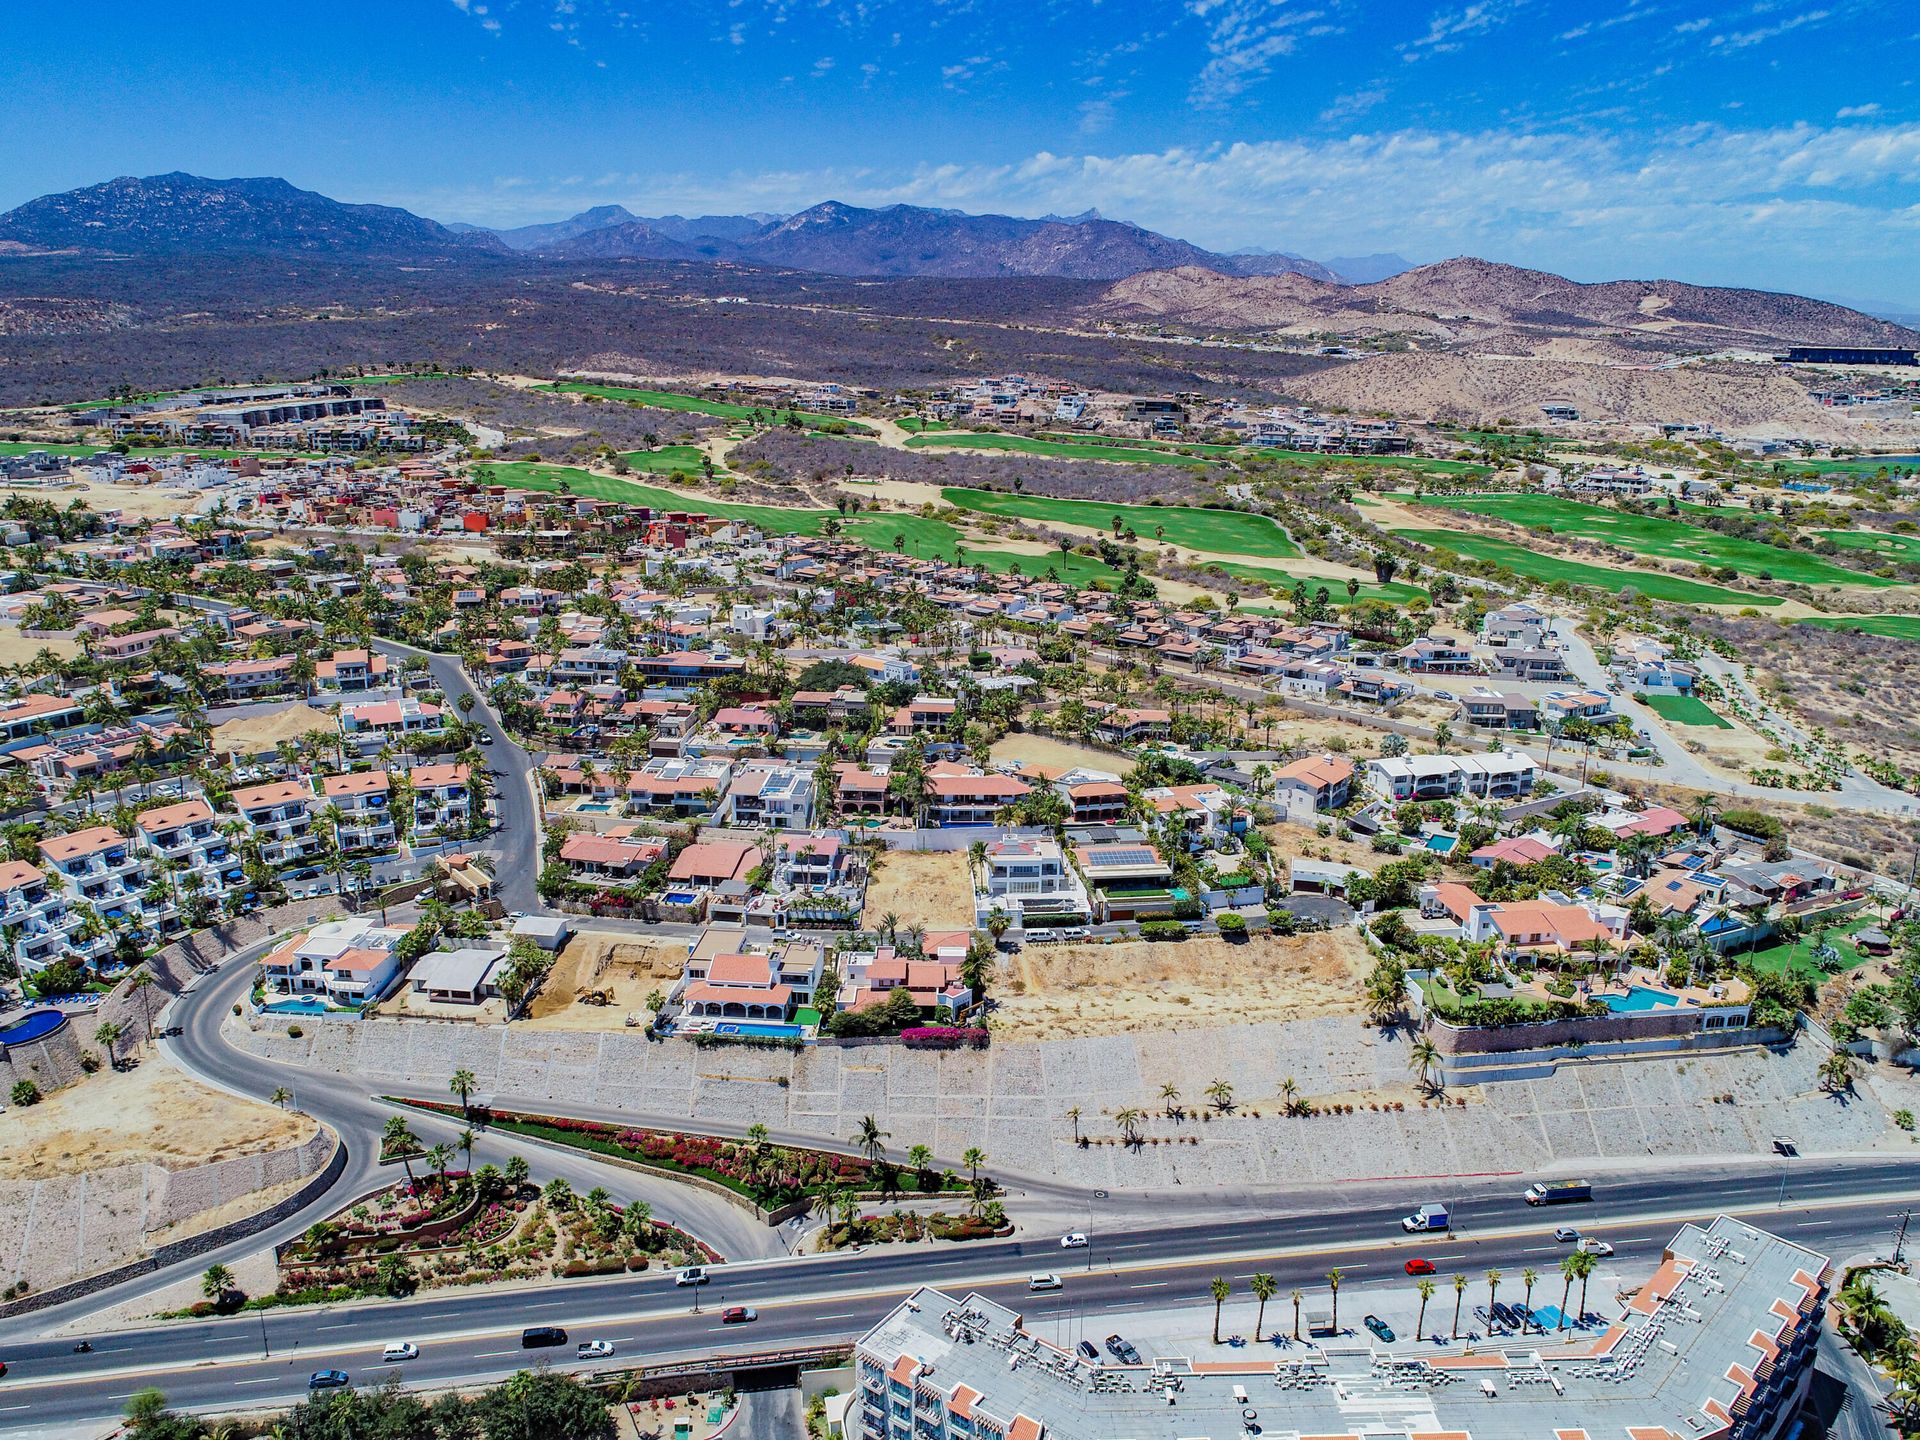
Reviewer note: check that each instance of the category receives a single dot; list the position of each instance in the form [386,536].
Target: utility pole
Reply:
[1900,1236]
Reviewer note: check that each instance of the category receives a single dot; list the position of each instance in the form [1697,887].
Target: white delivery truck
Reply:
[1431,1216]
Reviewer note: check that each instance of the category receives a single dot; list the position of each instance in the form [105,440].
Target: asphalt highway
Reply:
[264,1358]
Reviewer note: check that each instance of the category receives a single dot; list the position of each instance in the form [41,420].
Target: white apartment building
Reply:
[364,800]
[280,816]
[1030,882]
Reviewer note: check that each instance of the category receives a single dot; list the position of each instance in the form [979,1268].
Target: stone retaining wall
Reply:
[73,1230]
[50,1062]
[194,1245]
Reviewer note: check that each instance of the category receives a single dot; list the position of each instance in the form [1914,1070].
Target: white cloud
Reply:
[1857,112]
[1743,39]
[1448,29]
[1244,38]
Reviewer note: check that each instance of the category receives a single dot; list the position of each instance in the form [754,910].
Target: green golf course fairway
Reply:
[669,400]
[1051,449]
[1220,532]
[1652,536]
[1550,569]
[1893,627]
[905,534]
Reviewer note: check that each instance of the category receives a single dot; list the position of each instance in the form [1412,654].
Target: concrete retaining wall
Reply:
[74,1209]
[50,1062]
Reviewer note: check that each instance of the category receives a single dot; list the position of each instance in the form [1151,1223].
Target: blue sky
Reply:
[1765,142]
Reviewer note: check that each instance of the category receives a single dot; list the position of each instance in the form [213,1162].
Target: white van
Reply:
[1043,1282]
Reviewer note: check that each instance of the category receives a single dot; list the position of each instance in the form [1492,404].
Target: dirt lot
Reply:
[932,889]
[257,734]
[632,970]
[151,1113]
[19,649]
[1058,754]
[1054,991]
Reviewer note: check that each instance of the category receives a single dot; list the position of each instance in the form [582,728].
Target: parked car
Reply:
[1443,695]
[1596,1247]
[739,1315]
[692,1275]
[1087,1352]
[1381,1330]
[1122,1350]
[1419,1267]
[1507,1315]
[594,1349]
[1073,1240]
[400,1350]
[1565,1234]
[328,1380]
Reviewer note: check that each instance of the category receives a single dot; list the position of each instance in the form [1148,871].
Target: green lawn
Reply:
[666,460]
[1549,569]
[1224,532]
[1797,955]
[669,400]
[1861,465]
[1894,627]
[906,534]
[1052,449]
[1655,536]
[1897,547]
[1394,593]
[1687,710]
[27,447]
[1126,442]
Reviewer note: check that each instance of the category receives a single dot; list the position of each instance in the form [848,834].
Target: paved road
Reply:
[265,1358]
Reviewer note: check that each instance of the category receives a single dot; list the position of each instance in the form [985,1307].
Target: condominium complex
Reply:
[1716,1344]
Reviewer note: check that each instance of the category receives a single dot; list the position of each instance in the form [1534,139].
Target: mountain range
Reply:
[1492,308]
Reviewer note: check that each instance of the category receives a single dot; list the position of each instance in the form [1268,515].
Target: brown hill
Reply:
[1475,301]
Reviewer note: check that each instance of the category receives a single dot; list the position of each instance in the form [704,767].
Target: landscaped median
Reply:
[776,1182]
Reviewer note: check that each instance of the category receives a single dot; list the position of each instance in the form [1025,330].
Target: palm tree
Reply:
[1170,1100]
[1073,1114]
[1221,1093]
[1221,1289]
[1459,1292]
[398,1139]
[1129,1122]
[1493,1291]
[870,1138]
[1569,1272]
[215,1283]
[1264,1288]
[1296,1297]
[462,1084]
[1529,1277]
[1584,1263]
[467,1137]
[1424,1060]
[1333,1284]
[920,1157]
[1425,1287]
[281,1095]
[438,1156]
[106,1037]
[1836,1072]
[973,1157]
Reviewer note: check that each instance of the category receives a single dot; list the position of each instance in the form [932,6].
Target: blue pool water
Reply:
[33,1025]
[596,809]
[678,897]
[1442,844]
[759,1027]
[298,1007]
[1639,998]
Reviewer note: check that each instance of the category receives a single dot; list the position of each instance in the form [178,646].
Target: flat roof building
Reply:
[1717,1344]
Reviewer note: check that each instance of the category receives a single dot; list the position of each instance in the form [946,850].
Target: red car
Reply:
[1419,1267]
[739,1315]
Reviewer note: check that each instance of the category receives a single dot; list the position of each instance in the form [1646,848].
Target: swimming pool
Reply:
[594,809]
[1442,844]
[1639,998]
[678,897]
[759,1027]
[34,1025]
[298,1007]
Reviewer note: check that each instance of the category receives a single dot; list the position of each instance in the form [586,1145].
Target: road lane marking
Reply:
[850,1315]
[1152,1285]
[263,1380]
[1141,1245]
[344,1325]
[494,1354]
[1809,1224]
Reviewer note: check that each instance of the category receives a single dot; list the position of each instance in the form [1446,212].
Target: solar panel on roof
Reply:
[1125,857]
